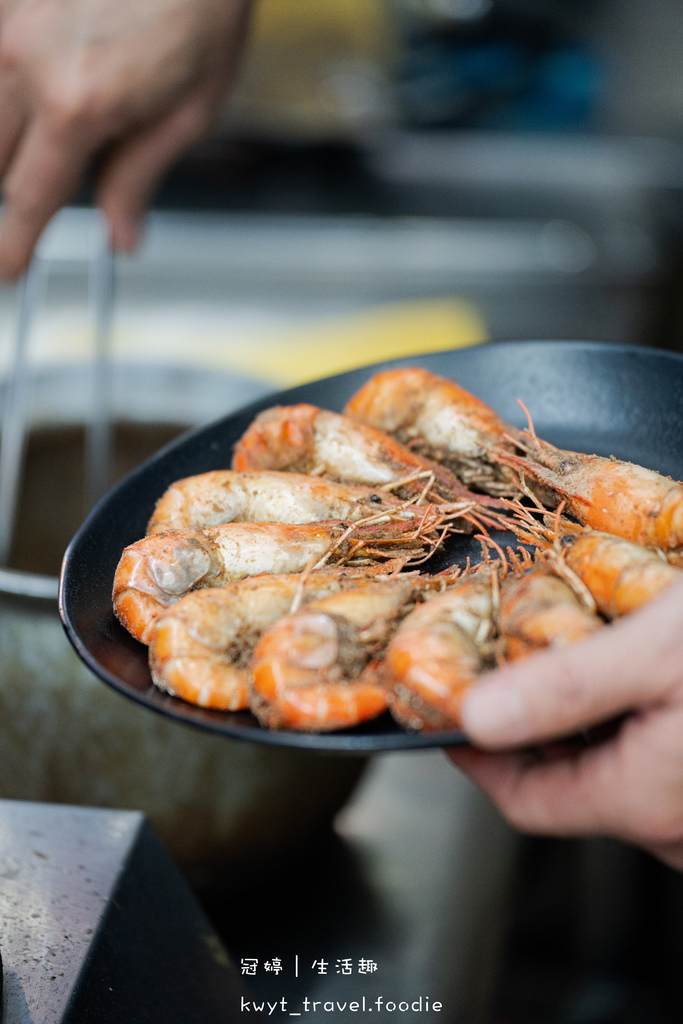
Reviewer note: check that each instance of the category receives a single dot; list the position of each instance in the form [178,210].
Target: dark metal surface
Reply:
[608,399]
[430,915]
[97,924]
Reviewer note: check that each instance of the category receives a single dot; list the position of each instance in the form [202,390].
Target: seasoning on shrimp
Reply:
[317,670]
[306,439]
[202,645]
[227,496]
[157,571]
[437,418]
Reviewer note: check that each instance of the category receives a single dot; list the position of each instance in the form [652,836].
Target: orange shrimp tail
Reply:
[296,679]
[137,595]
[621,576]
[514,649]
[271,669]
[429,684]
[538,609]
[136,609]
[420,716]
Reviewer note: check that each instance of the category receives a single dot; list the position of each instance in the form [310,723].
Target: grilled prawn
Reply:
[317,670]
[620,576]
[306,439]
[157,571]
[438,419]
[202,645]
[226,496]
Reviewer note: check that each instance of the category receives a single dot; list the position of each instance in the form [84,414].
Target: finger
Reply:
[628,787]
[46,170]
[568,800]
[12,121]
[546,799]
[568,796]
[137,165]
[494,773]
[13,109]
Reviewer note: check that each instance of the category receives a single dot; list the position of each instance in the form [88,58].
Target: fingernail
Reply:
[494,713]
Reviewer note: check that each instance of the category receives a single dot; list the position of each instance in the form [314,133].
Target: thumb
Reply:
[629,663]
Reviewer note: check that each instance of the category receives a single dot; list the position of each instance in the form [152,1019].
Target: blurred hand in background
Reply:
[131,82]
[629,786]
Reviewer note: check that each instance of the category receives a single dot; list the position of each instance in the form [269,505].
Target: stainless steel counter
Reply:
[97,925]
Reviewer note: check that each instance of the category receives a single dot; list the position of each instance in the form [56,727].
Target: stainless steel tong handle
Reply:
[16,409]
[15,412]
[98,447]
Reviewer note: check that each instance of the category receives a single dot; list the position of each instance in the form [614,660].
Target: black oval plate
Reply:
[607,399]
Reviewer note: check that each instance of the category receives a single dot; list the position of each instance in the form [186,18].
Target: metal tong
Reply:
[15,417]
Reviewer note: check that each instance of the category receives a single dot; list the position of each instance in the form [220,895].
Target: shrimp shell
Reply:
[620,575]
[441,421]
[313,670]
[306,439]
[226,496]
[158,570]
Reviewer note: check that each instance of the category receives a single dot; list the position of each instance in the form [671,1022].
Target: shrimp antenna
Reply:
[300,584]
[520,560]
[418,474]
[495,593]
[531,431]
[529,493]
[529,419]
[484,548]
[513,559]
[425,490]
[487,542]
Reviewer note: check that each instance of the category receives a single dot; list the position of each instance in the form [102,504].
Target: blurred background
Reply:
[389,173]
[388,177]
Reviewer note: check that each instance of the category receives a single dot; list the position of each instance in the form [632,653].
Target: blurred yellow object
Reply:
[315,69]
[343,343]
[281,350]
